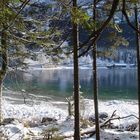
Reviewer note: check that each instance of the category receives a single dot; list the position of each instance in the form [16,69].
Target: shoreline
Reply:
[20,95]
[37,100]
[63,67]
[32,114]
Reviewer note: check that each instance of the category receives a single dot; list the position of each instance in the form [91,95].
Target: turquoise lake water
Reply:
[113,83]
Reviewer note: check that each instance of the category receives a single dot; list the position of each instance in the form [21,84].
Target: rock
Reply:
[112,126]
[121,127]
[9,121]
[103,115]
[48,119]
[92,118]
[134,137]
[117,138]
[106,138]
[120,130]
[131,127]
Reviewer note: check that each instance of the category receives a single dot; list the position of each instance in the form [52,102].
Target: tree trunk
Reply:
[1,102]
[76,79]
[4,57]
[138,62]
[95,83]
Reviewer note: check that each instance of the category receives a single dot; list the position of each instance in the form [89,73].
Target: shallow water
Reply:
[113,83]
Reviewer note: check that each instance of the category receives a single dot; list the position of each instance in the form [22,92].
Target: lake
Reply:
[113,83]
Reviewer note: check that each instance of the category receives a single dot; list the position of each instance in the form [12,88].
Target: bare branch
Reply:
[91,131]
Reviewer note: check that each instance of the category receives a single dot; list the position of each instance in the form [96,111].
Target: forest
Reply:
[69,69]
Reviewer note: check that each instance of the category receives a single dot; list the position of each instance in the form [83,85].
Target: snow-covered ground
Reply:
[31,120]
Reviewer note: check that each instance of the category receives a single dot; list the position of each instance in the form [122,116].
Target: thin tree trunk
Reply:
[4,57]
[95,78]
[76,79]
[138,62]
[1,102]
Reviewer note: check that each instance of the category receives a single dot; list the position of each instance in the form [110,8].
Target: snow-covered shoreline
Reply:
[30,117]
[70,68]
[85,62]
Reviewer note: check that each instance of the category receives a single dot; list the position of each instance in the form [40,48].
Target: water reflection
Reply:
[113,83]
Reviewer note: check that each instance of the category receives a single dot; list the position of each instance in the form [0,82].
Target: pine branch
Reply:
[95,34]
[127,18]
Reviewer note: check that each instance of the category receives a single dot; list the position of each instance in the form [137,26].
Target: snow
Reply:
[29,118]
[30,61]
[112,135]
[122,108]
[44,62]
[29,112]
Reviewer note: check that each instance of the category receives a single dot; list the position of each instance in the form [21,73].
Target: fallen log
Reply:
[91,131]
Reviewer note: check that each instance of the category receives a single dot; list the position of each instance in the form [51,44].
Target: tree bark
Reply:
[76,79]
[4,57]
[95,78]
[138,62]
[1,116]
